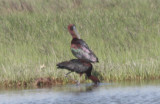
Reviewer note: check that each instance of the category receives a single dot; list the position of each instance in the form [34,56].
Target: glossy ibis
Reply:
[79,66]
[79,47]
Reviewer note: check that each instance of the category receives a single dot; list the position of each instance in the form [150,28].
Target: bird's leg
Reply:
[86,77]
[79,80]
[67,74]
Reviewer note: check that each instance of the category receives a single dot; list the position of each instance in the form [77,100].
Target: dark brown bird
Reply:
[79,47]
[79,66]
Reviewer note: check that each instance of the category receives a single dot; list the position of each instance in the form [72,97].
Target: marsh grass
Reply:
[125,35]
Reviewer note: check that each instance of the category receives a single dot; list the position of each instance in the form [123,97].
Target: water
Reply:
[105,93]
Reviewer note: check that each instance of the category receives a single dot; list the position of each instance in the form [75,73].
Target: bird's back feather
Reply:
[76,65]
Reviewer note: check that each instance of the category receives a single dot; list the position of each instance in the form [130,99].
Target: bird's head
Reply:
[94,79]
[73,31]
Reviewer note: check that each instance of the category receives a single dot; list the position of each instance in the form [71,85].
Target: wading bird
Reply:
[79,47]
[79,66]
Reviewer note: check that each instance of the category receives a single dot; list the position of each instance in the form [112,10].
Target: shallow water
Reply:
[106,93]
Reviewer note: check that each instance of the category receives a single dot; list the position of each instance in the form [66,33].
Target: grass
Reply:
[125,36]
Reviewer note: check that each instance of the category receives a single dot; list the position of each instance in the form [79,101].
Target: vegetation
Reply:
[124,34]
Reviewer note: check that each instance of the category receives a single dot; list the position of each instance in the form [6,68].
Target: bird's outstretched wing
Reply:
[81,50]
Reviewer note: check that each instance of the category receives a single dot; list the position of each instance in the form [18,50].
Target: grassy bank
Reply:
[125,35]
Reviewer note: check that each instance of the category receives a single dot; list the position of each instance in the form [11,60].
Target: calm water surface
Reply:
[105,93]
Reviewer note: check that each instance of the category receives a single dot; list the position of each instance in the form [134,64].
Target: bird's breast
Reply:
[74,46]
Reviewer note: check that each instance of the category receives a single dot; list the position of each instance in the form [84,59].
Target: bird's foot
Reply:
[77,82]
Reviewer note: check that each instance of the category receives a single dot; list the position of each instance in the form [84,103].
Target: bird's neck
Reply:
[94,79]
[74,35]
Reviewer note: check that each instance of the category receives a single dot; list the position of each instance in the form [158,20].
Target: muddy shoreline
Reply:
[50,81]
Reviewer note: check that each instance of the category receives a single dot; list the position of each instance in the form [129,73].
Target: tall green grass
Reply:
[125,36]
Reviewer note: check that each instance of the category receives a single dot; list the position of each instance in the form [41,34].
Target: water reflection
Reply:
[116,93]
[75,89]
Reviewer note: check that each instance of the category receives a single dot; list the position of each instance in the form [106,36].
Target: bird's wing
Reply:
[74,65]
[83,50]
